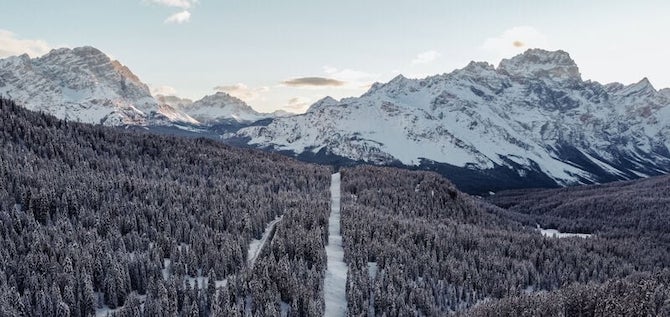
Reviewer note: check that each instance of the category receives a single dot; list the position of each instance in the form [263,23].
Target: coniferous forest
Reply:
[97,220]
[416,246]
[94,217]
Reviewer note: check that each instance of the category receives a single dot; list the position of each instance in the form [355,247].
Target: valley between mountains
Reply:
[421,197]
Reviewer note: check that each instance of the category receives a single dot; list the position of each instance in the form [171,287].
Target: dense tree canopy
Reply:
[89,216]
[438,251]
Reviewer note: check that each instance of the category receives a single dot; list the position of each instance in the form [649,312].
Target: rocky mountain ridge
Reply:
[531,121]
[84,84]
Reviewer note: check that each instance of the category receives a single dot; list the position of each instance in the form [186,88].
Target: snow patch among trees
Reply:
[553,233]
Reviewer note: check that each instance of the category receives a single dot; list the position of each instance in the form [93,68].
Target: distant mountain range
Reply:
[532,121]
[84,84]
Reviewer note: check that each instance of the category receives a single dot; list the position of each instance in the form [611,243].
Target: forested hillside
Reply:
[93,218]
[633,213]
[642,294]
[637,206]
[416,246]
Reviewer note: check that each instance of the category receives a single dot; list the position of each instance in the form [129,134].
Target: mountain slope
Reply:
[531,121]
[83,84]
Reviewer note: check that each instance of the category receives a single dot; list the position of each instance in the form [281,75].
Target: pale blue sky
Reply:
[250,47]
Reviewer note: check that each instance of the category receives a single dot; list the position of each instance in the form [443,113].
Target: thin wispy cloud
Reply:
[313,82]
[426,57]
[243,91]
[163,91]
[11,45]
[352,77]
[179,18]
[183,4]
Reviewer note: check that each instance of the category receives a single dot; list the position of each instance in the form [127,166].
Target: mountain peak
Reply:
[88,51]
[474,66]
[541,63]
[220,107]
[645,82]
[82,84]
[641,88]
[323,103]
[84,52]
[224,96]
[398,78]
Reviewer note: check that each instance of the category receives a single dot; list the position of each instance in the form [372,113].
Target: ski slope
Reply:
[336,274]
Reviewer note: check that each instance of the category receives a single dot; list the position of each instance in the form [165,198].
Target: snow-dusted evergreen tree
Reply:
[90,215]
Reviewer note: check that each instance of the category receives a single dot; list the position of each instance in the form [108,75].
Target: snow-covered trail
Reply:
[256,246]
[336,274]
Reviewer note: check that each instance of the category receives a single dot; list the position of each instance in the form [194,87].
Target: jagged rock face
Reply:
[82,84]
[531,114]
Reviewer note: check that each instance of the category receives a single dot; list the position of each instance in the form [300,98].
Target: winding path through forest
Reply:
[336,274]
[256,246]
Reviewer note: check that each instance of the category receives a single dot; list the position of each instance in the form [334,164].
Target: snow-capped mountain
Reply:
[221,107]
[531,121]
[83,84]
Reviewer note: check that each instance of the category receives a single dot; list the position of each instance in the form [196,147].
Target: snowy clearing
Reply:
[336,274]
[256,246]
[553,233]
[372,274]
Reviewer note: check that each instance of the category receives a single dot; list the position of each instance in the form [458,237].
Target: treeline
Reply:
[90,216]
[438,251]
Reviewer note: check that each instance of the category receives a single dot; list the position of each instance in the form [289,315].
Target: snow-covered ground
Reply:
[372,274]
[200,281]
[105,311]
[553,233]
[256,246]
[336,274]
[284,308]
